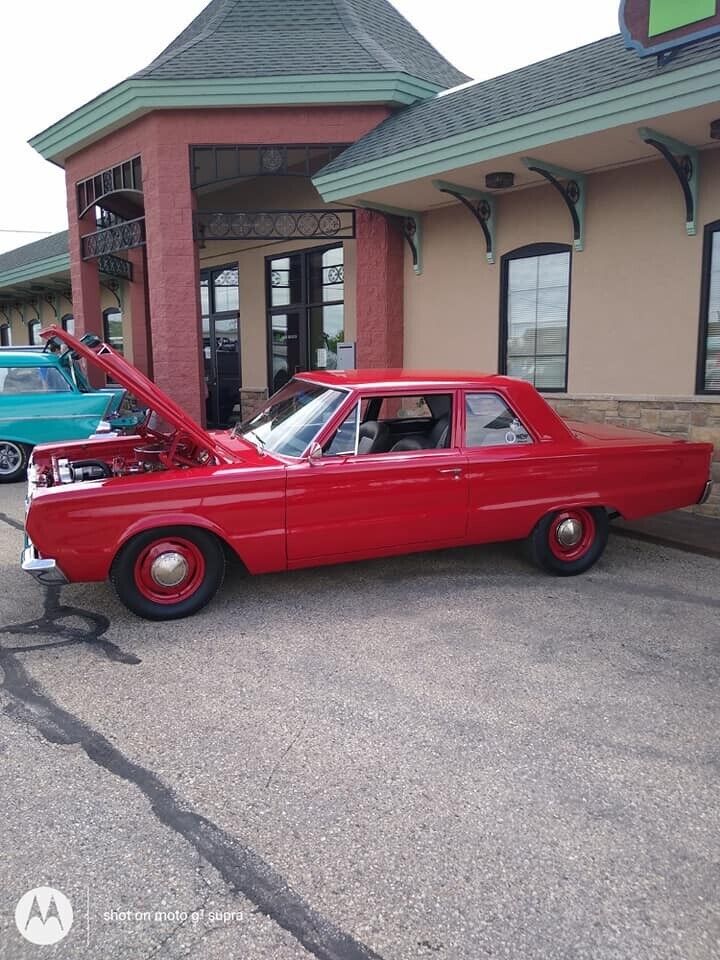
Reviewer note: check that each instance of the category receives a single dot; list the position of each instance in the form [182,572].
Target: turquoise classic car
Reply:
[45,397]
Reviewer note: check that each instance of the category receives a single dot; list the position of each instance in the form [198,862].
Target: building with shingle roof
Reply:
[302,184]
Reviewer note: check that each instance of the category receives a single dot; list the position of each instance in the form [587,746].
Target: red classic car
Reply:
[338,466]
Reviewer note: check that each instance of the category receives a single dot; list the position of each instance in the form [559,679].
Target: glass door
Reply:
[219,293]
[305,294]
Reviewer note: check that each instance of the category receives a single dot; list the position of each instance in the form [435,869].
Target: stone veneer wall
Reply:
[692,419]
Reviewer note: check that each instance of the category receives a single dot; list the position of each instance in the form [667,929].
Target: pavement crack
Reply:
[241,868]
[285,752]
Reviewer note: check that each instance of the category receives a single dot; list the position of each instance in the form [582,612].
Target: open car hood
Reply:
[109,361]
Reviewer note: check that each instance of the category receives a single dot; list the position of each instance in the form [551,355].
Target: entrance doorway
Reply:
[305,294]
[220,300]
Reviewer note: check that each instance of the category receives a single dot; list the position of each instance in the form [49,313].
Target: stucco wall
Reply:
[635,289]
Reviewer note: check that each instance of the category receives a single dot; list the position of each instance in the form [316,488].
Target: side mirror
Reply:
[315,452]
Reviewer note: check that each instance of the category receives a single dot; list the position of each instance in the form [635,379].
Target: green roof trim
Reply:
[680,89]
[38,268]
[135,97]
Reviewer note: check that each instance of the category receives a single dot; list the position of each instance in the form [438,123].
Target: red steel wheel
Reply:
[168,573]
[569,541]
[571,534]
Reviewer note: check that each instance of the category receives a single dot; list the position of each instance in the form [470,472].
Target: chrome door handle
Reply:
[451,471]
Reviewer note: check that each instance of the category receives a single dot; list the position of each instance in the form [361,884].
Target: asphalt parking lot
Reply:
[444,756]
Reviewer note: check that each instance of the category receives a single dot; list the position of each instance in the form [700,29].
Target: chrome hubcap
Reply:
[10,458]
[169,569]
[569,533]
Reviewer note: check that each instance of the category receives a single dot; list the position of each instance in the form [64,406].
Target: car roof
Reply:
[27,358]
[410,379]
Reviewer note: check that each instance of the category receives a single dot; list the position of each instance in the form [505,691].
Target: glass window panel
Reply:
[68,323]
[5,335]
[327,276]
[204,297]
[32,380]
[285,280]
[326,331]
[712,342]
[226,290]
[537,298]
[113,330]
[489,422]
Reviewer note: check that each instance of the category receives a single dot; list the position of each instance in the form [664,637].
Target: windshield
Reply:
[292,418]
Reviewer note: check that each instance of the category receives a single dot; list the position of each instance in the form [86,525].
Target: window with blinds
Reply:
[535,315]
[709,358]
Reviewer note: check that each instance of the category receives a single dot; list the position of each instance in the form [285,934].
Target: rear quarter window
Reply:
[18,380]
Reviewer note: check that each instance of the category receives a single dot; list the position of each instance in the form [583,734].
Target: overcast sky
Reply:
[58,54]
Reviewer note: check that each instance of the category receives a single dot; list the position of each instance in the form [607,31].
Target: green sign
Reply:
[666,15]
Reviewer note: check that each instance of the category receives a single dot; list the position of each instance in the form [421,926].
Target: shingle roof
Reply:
[267,38]
[592,69]
[53,246]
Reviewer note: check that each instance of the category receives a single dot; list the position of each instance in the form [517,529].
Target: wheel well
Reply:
[231,555]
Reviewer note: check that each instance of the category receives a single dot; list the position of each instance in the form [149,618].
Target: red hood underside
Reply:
[110,362]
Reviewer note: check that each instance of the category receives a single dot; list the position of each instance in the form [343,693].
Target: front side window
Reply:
[292,418]
[392,424]
[489,422]
[535,315]
[709,354]
[32,380]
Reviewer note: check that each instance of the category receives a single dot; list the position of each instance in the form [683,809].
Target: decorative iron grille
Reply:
[123,176]
[274,225]
[113,266]
[123,236]
[219,162]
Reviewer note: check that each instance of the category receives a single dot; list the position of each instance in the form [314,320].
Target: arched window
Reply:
[708,376]
[5,335]
[112,328]
[535,313]
[34,333]
[68,323]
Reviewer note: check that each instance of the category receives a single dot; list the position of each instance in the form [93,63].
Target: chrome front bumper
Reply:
[706,492]
[44,569]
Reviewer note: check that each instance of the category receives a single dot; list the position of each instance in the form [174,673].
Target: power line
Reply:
[45,233]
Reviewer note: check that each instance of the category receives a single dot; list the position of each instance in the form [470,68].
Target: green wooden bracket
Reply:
[572,187]
[481,205]
[684,161]
[411,223]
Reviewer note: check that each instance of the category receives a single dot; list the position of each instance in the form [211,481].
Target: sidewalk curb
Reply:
[661,541]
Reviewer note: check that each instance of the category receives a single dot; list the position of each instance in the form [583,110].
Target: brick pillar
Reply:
[380,284]
[173,275]
[139,317]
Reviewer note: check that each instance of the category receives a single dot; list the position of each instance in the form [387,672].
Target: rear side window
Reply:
[32,380]
[489,422]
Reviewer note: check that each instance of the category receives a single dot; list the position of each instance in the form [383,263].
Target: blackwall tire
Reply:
[13,461]
[169,573]
[569,542]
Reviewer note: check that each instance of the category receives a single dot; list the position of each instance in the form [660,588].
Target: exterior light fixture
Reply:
[500,181]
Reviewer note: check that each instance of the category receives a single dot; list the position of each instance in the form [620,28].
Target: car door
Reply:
[354,506]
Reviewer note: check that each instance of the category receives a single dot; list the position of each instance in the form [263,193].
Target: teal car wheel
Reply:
[13,461]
